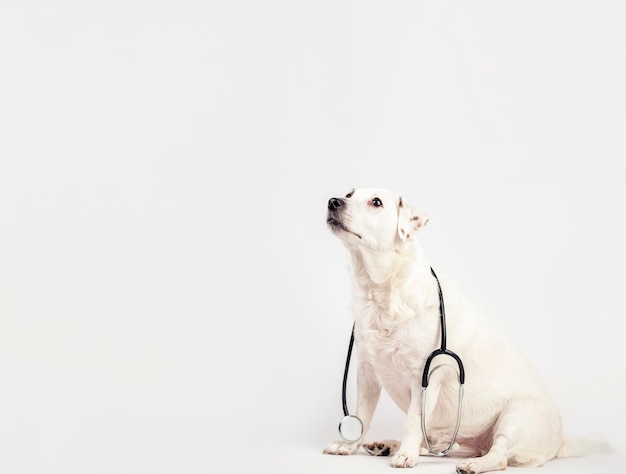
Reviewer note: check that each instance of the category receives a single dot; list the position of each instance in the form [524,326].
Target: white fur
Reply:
[508,415]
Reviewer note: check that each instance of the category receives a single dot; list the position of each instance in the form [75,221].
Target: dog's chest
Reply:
[395,354]
[396,347]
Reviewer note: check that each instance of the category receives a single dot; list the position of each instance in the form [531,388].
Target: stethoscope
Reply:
[351,426]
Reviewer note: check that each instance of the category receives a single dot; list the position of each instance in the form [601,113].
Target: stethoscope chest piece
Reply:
[350,428]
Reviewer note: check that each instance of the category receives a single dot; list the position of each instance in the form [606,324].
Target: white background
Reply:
[170,297]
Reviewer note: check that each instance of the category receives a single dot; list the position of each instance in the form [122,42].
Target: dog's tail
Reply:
[576,447]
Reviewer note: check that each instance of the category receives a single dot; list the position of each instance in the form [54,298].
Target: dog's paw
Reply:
[405,459]
[466,467]
[386,447]
[483,464]
[340,448]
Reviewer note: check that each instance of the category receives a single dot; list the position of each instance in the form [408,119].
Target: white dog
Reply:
[508,416]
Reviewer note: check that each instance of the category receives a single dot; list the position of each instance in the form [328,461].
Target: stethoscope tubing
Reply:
[442,348]
[345,374]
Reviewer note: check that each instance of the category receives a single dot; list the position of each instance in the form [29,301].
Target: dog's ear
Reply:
[409,222]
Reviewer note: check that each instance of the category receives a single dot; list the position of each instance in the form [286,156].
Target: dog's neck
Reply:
[381,278]
[380,269]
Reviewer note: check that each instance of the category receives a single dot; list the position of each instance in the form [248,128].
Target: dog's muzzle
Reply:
[334,210]
[334,203]
[334,220]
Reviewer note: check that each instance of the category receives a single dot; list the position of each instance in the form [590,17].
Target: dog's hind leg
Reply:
[527,433]
[494,460]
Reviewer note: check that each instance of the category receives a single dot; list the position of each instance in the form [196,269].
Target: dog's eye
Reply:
[377,202]
[349,195]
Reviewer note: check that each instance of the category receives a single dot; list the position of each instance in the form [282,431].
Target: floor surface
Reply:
[307,461]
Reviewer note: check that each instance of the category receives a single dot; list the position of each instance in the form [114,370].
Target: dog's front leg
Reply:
[368,394]
[409,450]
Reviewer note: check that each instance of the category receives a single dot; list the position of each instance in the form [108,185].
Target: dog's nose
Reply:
[334,203]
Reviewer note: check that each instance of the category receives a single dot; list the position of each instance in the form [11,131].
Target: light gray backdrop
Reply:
[170,297]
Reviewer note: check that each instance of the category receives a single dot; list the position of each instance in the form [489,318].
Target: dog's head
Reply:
[376,219]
